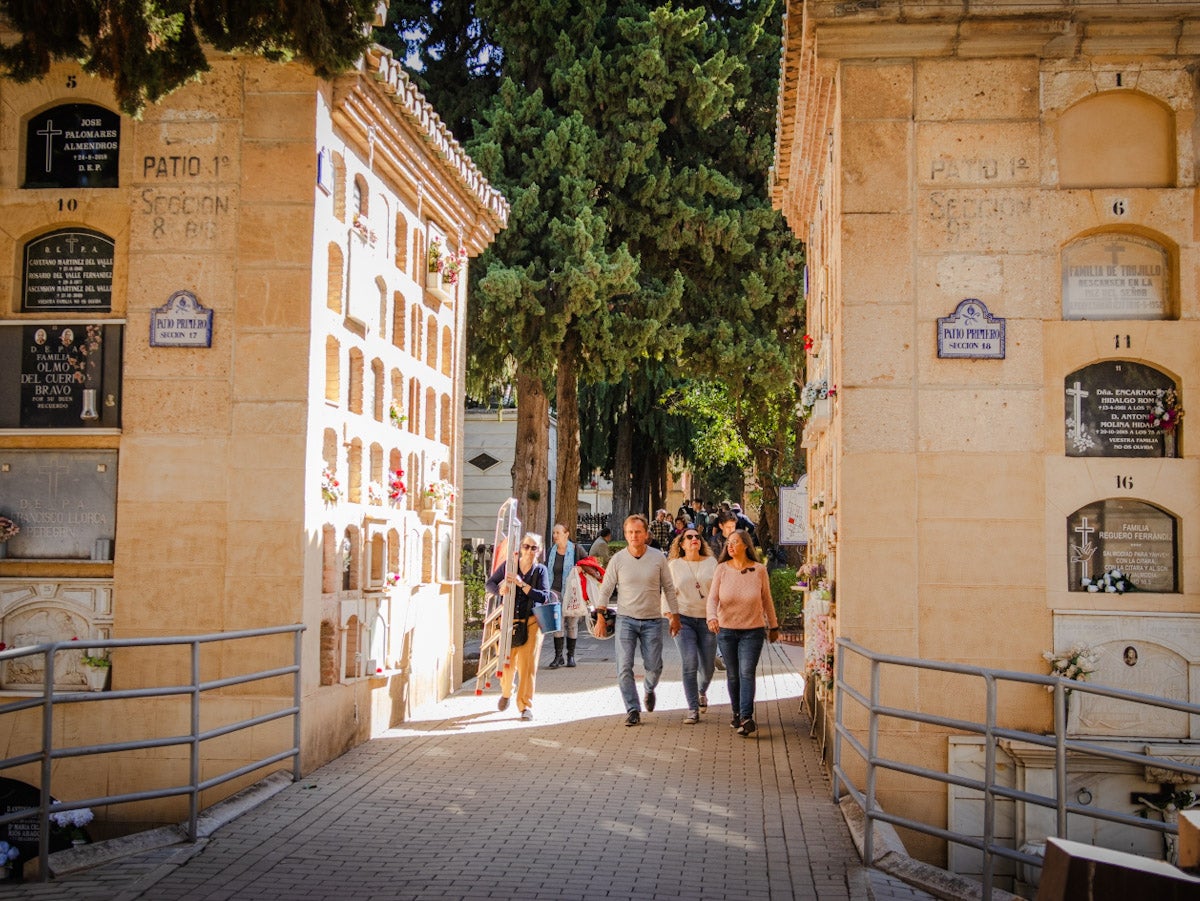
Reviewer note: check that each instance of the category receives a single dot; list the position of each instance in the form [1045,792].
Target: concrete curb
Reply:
[86,857]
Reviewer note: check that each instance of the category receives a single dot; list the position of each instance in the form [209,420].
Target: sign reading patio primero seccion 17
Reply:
[181,322]
[971,332]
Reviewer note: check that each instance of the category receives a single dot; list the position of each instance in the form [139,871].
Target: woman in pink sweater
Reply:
[740,612]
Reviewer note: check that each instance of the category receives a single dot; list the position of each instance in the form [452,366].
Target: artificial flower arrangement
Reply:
[396,489]
[813,392]
[8,528]
[441,491]
[362,229]
[810,573]
[1167,412]
[96,662]
[1184,799]
[447,264]
[1076,663]
[374,492]
[392,579]
[331,488]
[1111,581]
[73,821]
[8,853]
[398,419]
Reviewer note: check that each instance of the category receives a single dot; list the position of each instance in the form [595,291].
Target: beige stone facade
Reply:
[300,212]
[928,154]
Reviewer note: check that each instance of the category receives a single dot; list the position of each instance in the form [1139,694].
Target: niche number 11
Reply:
[1117,341]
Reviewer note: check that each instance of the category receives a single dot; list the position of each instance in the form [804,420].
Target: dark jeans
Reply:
[741,649]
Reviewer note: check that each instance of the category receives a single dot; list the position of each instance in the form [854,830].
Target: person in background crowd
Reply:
[743,522]
[726,526]
[660,531]
[692,566]
[560,562]
[742,614]
[640,576]
[600,549]
[531,582]
[681,524]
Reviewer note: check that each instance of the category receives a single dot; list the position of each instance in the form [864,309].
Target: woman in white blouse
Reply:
[692,566]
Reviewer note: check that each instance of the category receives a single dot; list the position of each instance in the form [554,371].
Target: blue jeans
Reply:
[630,633]
[698,651]
[741,649]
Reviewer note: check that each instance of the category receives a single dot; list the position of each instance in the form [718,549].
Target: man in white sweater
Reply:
[641,578]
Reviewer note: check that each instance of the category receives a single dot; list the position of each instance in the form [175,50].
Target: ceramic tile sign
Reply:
[1136,538]
[60,375]
[65,502]
[971,332]
[68,270]
[181,322]
[1109,409]
[1115,276]
[73,145]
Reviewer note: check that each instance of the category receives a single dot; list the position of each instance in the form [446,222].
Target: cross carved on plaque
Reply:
[50,133]
[1115,249]
[52,471]
[1078,394]
[1082,552]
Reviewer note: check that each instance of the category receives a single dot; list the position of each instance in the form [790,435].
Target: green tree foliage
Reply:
[148,48]
[633,142]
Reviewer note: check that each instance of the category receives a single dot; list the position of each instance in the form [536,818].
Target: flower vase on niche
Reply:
[8,529]
[96,671]
[89,412]
[1169,449]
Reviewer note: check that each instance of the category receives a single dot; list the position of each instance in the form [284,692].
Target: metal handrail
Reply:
[50,698]
[992,733]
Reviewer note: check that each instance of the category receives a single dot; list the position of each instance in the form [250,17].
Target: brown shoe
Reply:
[502,704]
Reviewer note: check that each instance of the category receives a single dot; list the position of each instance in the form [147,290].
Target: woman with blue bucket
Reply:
[531,582]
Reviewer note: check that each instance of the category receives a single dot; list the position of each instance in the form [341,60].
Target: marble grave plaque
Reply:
[1115,276]
[64,501]
[68,270]
[73,145]
[1137,538]
[1108,407]
[64,375]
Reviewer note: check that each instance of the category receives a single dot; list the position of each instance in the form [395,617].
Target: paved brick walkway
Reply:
[468,802]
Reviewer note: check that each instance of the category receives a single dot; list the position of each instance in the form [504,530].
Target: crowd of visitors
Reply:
[699,572]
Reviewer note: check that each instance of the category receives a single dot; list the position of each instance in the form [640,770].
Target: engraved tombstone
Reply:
[64,501]
[1136,538]
[73,145]
[68,270]
[1115,276]
[1109,409]
[65,375]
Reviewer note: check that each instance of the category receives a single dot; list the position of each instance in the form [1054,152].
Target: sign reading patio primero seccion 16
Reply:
[181,322]
[971,332]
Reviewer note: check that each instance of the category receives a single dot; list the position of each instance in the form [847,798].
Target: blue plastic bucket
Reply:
[549,617]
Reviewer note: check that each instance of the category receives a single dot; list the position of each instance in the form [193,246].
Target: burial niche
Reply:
[1118,408]
[1116,276]
[73,145]
[1119,545]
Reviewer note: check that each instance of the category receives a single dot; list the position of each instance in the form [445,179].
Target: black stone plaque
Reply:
[69,270]
[21,797]
[62,500]
[60,375]
[1108,410]
[74,145]
[1134,537]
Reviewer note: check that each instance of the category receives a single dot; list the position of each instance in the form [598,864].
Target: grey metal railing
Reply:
[992,733]
[50,698]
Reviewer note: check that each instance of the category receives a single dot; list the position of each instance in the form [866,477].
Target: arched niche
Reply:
[77,145]
[1117,139]
[1114,408]
[1136,538]
[1117,275]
